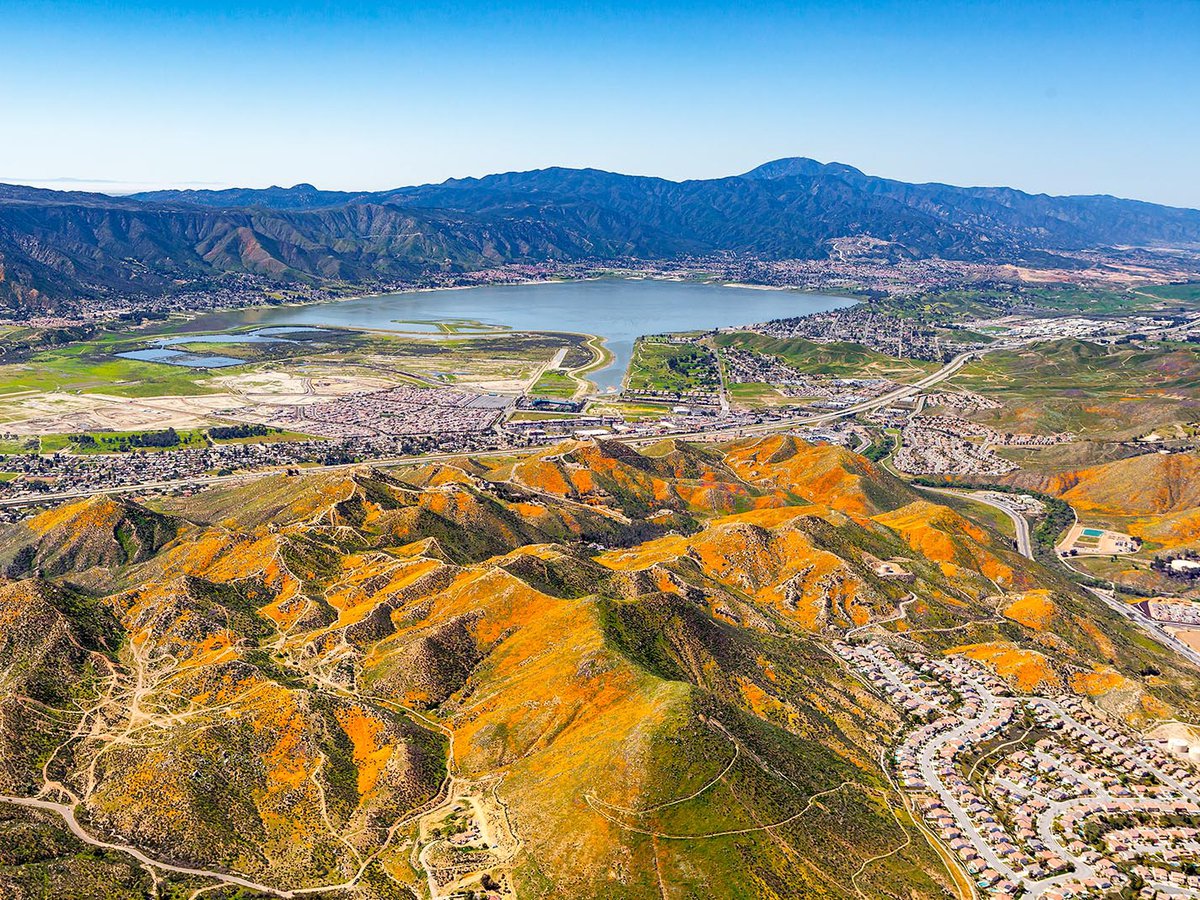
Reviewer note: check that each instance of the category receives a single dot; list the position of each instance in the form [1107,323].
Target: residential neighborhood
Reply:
[1038,797]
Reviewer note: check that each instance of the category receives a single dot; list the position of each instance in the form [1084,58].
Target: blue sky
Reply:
[1087,97]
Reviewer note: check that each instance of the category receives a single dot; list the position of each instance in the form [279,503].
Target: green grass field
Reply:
[533,415]
[555,384]
[631,412]
[1093,390]
[658,366]
[111,442]
[274,436]
[957,305]
[84,368]
[757,394]
[1188,293]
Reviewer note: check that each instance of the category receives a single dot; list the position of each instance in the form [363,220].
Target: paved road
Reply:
[1147,624]
[714,433]
[949,369]
[1020,523]
[1133,613]
[928,762]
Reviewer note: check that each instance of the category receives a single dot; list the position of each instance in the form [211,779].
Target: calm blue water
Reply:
[620,310]
[179,358]
[260,336]
[162,354]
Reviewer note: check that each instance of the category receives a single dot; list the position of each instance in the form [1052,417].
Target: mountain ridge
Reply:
[783,167]
[62,246]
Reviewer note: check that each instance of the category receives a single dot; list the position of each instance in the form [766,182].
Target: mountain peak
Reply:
[799,166]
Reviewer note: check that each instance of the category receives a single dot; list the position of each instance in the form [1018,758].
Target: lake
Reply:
[618,309]
[258,336]
[162,352]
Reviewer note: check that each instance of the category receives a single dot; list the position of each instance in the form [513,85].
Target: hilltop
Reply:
[1154,496]
[55,246]
[615,664]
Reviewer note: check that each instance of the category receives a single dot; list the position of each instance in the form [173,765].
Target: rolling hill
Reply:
[55,246]
[617,662]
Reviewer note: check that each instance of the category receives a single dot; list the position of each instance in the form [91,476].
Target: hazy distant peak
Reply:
[800,166]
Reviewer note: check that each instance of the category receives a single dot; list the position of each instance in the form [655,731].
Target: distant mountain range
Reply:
[57,245]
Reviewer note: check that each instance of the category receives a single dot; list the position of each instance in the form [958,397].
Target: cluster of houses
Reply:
[903,687]
[1018,821]
[953,445]
[963,401]
[862,324]
[926,449]
[746,366]
[398,411]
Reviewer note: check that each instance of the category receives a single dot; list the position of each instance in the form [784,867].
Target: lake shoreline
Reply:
[616,309]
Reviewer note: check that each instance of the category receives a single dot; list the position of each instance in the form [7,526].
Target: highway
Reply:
[715,433]
[949,369]
[1135,615]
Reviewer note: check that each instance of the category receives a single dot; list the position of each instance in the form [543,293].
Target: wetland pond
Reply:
[618,309]
[163,353]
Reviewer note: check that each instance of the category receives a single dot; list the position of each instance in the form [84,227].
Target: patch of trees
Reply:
[693,364]
[168,438]
[231,432]
[123,442]
[880,447]
[1162,565]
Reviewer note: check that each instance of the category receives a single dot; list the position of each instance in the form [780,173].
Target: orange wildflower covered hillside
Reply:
[571,674]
